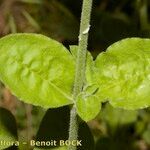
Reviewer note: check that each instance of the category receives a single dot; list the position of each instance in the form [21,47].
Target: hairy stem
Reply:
[80,67]
[73,130]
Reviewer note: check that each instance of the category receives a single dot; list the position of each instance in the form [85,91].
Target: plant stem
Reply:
[80,67]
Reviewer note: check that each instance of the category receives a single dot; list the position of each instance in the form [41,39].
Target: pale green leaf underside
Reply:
[123,73]
[37,69]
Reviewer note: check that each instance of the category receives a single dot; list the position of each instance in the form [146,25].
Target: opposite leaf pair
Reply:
[41,71]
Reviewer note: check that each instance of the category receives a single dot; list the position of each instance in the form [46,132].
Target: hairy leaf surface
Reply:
[123,73]
[37,69]
[88,106]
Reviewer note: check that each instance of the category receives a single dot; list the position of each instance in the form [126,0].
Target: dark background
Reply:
[112,20]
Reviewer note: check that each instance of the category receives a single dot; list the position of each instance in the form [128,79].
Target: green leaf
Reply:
[8,129]
[74,50]
[122,73]
[55,126]
[116,116]
[37,69]
[88,106]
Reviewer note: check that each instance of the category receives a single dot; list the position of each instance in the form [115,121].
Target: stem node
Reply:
[80,67]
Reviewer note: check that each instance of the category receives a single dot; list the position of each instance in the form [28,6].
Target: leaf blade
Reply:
[87,106]
[37,69]
[122,73]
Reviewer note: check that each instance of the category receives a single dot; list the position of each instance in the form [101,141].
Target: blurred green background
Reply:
[112,20]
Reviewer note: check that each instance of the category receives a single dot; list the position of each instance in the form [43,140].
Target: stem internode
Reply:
[80,67]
